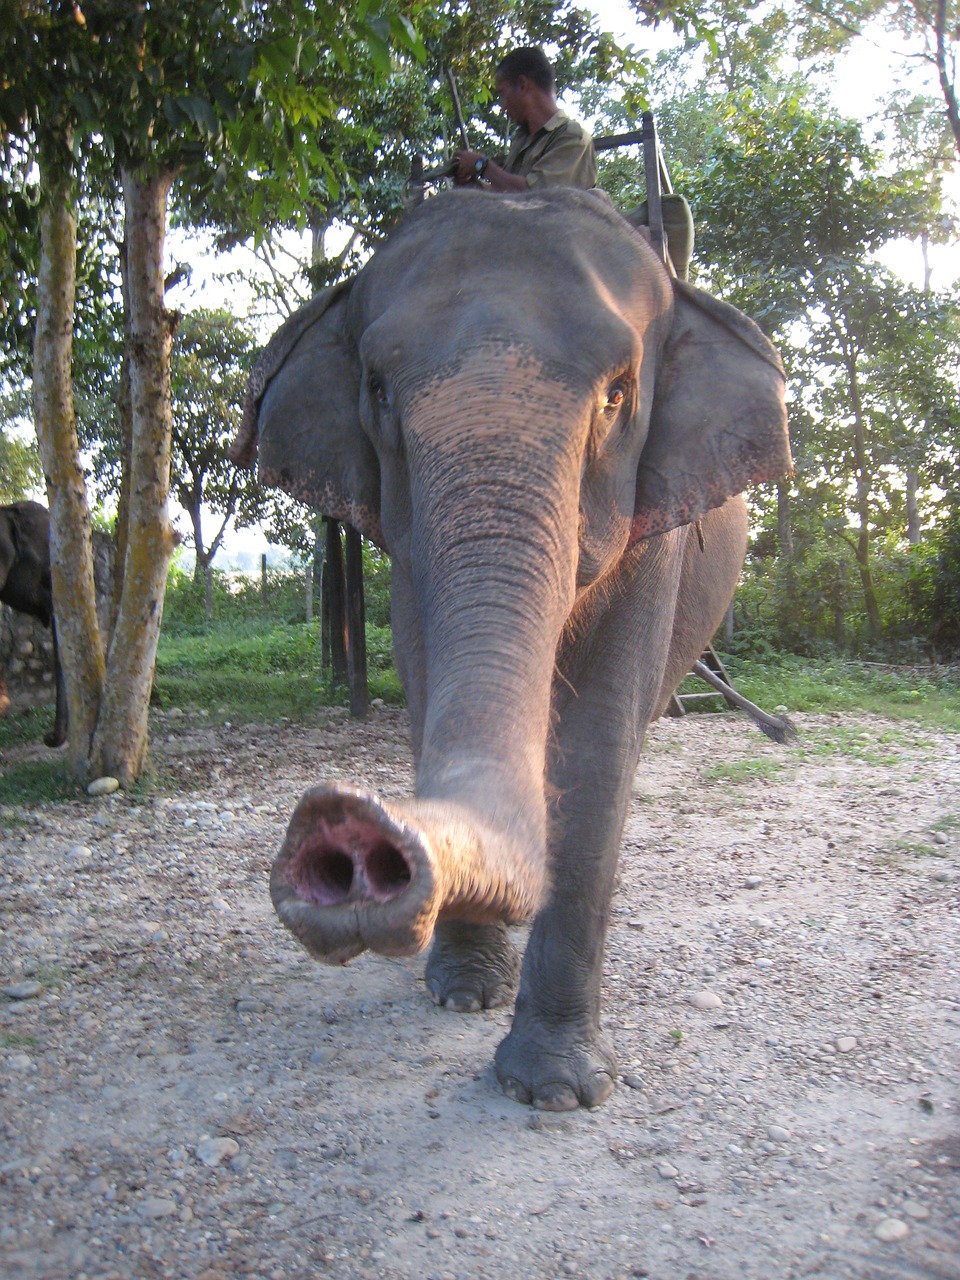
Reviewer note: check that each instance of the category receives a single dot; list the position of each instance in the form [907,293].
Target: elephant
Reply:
[550,435]
[25,585]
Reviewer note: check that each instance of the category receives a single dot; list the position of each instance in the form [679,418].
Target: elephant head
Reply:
[509,396]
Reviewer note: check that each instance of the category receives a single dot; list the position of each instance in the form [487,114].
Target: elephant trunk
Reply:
[493,583]
[358,872]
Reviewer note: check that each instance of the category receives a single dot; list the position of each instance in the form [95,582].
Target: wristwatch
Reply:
[480,166]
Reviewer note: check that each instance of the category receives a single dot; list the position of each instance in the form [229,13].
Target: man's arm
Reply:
[564,158]
[493,173]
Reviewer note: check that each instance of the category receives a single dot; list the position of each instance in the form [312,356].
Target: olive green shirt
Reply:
[558,155]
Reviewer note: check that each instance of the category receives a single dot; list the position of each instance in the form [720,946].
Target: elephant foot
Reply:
[55,738]
[556,1067]
[472,966]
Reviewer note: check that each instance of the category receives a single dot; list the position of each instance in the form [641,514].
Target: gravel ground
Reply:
[186,1094]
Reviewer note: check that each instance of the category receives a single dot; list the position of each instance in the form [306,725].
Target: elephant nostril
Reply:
[388,872]
[323,875]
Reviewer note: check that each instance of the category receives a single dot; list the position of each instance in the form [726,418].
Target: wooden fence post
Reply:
[356,626]
[334,592]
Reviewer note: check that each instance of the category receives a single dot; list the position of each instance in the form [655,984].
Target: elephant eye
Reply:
[379,391]
[616,394]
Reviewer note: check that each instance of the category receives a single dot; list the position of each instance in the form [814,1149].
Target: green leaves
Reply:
[197,111]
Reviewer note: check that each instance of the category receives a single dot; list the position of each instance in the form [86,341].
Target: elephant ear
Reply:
[301,416]
[718,422]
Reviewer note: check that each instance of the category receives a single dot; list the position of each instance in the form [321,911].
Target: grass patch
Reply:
[925,696]
[742,771]
[34,782]
[919,849]
[16,1040]
[882,748]
[25,727]
[262,671]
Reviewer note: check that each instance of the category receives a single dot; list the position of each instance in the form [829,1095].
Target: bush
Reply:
[236,597]
[257,658]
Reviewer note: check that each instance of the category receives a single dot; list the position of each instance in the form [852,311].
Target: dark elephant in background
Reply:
[25,585]
[547,433]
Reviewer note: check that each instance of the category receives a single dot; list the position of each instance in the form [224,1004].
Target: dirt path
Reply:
[186,1094]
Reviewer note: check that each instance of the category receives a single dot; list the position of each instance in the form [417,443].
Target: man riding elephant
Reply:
[548,149]
[551,150]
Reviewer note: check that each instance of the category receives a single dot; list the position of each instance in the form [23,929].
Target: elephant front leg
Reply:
[472,966]
[557,1056]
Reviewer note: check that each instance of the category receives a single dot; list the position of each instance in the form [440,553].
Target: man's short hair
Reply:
[531,62]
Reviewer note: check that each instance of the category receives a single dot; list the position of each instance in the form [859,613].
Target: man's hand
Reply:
[493,174]
[466,166]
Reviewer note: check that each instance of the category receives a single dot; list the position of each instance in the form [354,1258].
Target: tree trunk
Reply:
[125,415]
[862,470]
[914,536]
[784,532]
[120,742]
[202,562]
[945,69]
[71,554]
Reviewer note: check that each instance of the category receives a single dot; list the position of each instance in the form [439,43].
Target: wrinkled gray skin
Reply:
[25,585]
[515,399]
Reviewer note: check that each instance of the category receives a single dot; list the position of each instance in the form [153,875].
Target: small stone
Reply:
[913,1209]
[941,838]
[153,930]
[666,1170]
[158,1207]
[80,852]
[22,990]
[845,1044]
[705,1000]
[633,1081]
[891,1229]
[105,786]
[753,882]
[777,1133]
[214,1151]
[20,1062]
